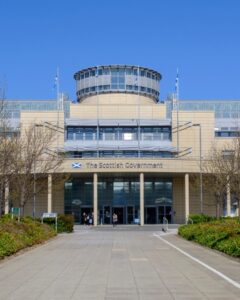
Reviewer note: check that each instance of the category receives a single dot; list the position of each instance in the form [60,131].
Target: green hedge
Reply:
[15,236]
[222,235]
[65,223]
[201,218]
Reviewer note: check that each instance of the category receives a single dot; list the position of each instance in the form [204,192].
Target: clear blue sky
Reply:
[200,37]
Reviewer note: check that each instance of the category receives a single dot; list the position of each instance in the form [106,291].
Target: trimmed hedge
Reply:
[65,223]
[200,218]
[222,235]
[15,236]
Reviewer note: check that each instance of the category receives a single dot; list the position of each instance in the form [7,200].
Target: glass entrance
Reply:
[155,214]
[119,211]
[121,195]
[150,215]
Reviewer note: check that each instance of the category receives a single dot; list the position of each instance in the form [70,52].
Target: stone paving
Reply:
[120,263]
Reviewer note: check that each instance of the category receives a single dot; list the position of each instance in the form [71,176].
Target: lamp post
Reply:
[34,185]
[34,170]
[200,166]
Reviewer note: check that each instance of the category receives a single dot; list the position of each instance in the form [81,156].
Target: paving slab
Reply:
[117,263]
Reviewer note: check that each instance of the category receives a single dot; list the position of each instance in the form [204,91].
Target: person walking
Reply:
[115,219]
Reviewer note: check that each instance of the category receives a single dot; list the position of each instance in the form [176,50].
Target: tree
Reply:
[234,173]
[33,161]
[221,172]
[8,146]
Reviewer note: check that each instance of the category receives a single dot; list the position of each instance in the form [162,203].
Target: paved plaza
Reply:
[119,263]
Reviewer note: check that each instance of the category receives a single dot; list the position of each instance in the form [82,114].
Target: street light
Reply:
[200,162]
[34,170]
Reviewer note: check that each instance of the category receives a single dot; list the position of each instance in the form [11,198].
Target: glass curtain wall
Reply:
[120,196]
[158,201]
[79,198]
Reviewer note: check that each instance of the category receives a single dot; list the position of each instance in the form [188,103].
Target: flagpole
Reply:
[96,85]
[139,130]
[58,104]
[177,104]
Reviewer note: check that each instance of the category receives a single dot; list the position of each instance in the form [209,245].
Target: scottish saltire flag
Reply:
[176,82]
[55,81]
[76,165]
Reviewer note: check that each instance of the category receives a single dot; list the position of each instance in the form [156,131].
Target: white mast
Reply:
[176,100]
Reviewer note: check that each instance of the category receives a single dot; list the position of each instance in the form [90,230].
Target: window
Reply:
[106,71]
[129,71]
[70,133]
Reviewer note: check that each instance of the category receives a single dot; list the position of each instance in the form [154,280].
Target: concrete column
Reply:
[95,198]
[228,199]
[141,199]
[6,199]
[186,184]
[49,205]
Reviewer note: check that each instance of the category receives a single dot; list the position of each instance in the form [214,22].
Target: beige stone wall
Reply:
[178,200]
[189,135]
[118,106]
[209,205]
[42,200]
[45,120]
[117,98]
[58,198]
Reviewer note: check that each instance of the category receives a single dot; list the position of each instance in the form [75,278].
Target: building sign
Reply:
[119,165]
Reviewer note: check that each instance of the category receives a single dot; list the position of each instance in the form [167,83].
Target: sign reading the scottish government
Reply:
[118,165]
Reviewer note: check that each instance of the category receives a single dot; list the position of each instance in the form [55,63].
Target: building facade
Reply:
[126,151]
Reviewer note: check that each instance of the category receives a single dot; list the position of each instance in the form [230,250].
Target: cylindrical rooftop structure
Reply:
[117,79]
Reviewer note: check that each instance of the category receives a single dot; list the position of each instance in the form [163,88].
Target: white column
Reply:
[228,199]
[49,205]
[6,199]
[141,199]
[95,198]
[186,184]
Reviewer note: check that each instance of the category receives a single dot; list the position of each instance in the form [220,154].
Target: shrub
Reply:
[223,234]
[65,223]
[201,218]
[230,246]
[15,236]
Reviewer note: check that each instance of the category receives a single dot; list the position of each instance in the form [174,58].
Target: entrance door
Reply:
[120,213]
[130,214]
[150,215]
[87,211]
[164,212]
[107,215]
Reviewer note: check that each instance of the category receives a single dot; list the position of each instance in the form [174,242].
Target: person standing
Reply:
[115,219]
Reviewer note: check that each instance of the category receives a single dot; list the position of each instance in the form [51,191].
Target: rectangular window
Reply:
[70,133]
[106,72]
